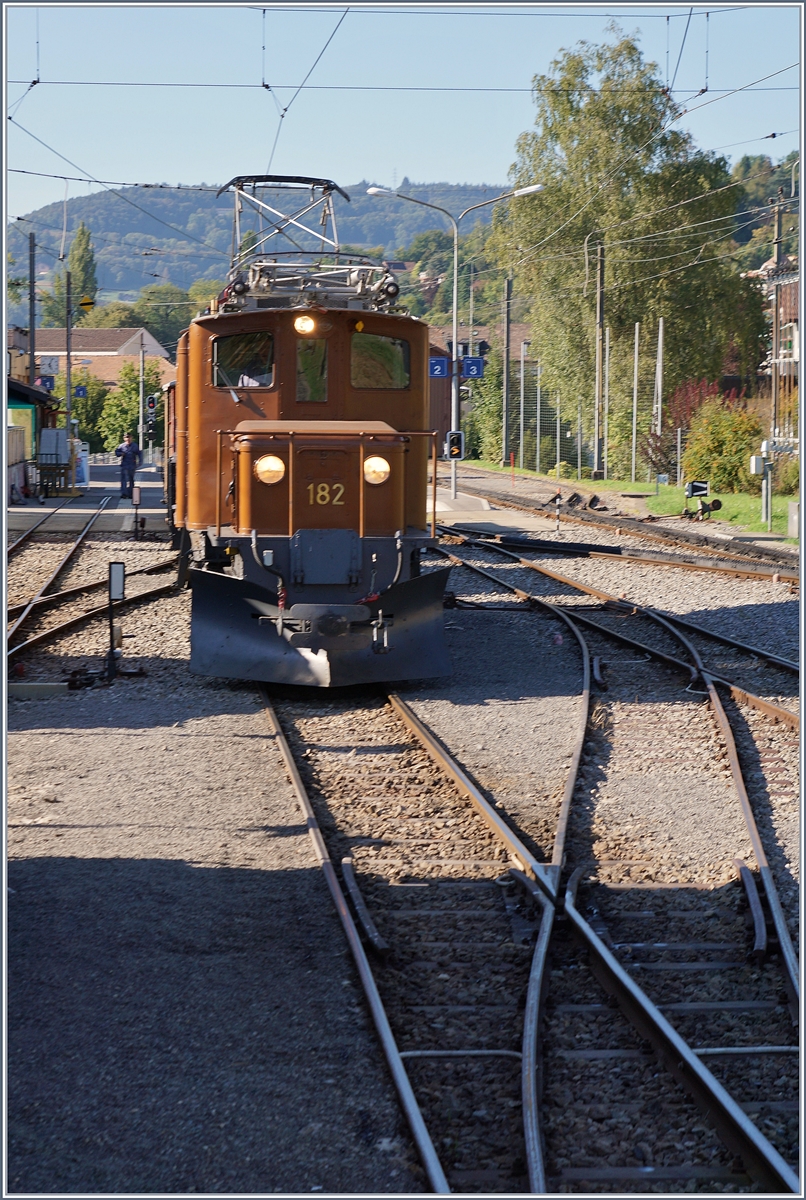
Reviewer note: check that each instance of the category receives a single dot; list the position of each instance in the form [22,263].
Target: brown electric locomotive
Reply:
[298,450]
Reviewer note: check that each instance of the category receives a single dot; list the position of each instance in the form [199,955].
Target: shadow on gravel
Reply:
[181,1029]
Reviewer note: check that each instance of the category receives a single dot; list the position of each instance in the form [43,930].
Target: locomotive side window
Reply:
[244,360]
[379,362]
[311,371]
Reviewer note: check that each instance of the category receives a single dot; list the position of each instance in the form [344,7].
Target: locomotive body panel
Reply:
[299,449]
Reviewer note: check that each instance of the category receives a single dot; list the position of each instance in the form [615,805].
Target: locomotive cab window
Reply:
[379,362]
[311,371]
[244,360]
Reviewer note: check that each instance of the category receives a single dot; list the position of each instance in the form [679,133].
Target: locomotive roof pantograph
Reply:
[274,212]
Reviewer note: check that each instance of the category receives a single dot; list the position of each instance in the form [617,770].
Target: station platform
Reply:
[118,517]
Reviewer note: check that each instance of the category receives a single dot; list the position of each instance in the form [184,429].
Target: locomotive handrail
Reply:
[291,434]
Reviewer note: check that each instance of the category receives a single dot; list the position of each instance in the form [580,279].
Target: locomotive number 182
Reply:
[325,493]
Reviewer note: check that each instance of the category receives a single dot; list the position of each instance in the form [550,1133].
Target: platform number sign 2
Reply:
[439,368]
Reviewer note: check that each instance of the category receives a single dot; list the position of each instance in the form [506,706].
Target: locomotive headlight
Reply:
[304,324]
[376,469]
[269,468]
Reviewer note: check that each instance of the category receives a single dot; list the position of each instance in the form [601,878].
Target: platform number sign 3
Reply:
[472,368]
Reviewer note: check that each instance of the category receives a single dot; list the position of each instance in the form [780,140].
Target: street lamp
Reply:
[524,191]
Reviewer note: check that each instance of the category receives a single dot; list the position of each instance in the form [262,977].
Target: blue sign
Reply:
[48,382]
[80,392]
[472,368]
[439,368]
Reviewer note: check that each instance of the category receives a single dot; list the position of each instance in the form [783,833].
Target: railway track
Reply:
[612,612]
[61,565]
[427,862]
[19,542]
[726,994]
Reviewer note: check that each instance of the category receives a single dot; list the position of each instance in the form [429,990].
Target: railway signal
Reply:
[86,303]
[697,487]
[455,444]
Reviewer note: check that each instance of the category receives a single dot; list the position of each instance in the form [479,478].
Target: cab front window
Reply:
[379,362]
[244,360]
[311,371]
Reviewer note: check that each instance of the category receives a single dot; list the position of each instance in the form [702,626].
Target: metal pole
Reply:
[635,398]
[68,376]
[606,396]
[505,414]
[579,440]
[523,367]
[597,401]
[776,354]
[679,456]
[455,417]
[32,311]
[659,379]
[558,436]
[141,427]
[537,422]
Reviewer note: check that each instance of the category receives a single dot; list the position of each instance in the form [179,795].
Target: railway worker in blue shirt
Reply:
[130,457]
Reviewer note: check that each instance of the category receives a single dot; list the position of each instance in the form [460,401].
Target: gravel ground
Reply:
[510,712]
[738,609]
[183,1013]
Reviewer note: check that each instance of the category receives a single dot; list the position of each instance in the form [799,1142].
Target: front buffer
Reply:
[237,632]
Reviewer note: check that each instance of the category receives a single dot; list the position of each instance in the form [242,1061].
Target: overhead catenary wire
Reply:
[364,87]
[91,179]
[301,86]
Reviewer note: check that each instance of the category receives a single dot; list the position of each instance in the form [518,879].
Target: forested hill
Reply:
[133,247]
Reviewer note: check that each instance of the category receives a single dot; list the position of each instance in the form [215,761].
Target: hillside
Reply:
[133,247]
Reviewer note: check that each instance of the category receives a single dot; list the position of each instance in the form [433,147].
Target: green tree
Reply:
[115,315]
[87,409]
[15,285]
[203,291]
[164,310]
[723,436]
[83,282]
[615,169]
[121,410]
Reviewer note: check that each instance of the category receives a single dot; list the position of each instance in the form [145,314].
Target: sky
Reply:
[190,134]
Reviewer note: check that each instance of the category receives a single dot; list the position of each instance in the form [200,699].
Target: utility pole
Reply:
[635,398]
[31,308]
[524,347]
[606,396]
[659,381]
[68,378]
[597,403]
[507,313]
[141,427]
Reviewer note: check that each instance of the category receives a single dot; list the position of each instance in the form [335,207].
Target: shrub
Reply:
[723,436]
[788,481]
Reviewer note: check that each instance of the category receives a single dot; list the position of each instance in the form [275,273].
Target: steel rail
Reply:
[422,1138]
[779,920]
[761,1160]
[547,896]
[739,694]
[70,593]
[645,557]
[23,538]
[524,858]
[59,568]
[48,635]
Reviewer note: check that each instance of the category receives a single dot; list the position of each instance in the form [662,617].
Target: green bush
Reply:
[721,441]
[788,480]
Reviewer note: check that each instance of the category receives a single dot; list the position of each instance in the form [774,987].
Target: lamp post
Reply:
[524,191]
